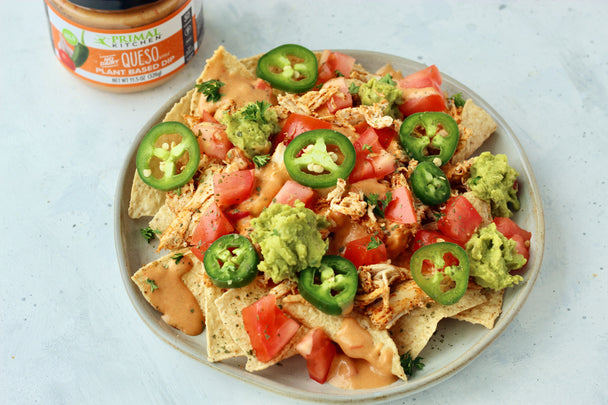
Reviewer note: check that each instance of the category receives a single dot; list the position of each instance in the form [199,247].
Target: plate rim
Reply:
[393,391]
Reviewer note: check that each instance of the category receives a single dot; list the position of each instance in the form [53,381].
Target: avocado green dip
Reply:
[250,128]
[375,91]
[492,179]
[491,257]
[290,240]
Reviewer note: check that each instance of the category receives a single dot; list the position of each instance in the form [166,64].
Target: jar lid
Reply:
[111,4]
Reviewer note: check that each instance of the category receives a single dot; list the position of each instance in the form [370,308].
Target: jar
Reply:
[125,45]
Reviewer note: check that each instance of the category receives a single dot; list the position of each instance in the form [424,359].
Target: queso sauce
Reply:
[362,364]
[171,297]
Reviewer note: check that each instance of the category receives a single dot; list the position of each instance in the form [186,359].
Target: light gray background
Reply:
[68,332]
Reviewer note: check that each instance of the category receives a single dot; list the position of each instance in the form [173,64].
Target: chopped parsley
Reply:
[379,205]
[149,233]
[374,243]
[255,111]
[458,100]
[261,160]
[211,90]
[177,257]
[388,79]
[153,285]
[411,365]
[353,88]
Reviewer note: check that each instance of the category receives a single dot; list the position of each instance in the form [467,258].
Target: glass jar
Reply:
[125,45]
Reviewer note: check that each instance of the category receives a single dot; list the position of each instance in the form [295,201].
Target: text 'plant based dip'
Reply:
[125,45]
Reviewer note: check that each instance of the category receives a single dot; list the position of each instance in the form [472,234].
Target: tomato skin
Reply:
[401,208]
[233,188]
[319,352]
[213,224]
[422,91]
[339,101]
[296,124]
[212,139]
[357,252]
[426,237]
[293,191]
[511,230]
[373,161]
[269,329]
[332,62]
[459,219]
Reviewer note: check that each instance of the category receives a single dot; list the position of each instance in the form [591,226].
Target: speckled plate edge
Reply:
[132,253]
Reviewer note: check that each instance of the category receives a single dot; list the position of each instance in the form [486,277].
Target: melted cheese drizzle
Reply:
[172,298]
[363,364]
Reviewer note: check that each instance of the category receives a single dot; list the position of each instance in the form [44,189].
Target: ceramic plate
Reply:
[454,345]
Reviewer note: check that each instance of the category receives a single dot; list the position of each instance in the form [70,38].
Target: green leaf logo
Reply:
[69,37]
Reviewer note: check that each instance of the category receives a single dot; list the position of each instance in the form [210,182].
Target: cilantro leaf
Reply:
[153,285]
[256,111]
[149,233]
[374,243]
[388,79]
[177,257]
[353,88]
[211,90]
[373,200]
[410,365]
[458,100]
[261,160]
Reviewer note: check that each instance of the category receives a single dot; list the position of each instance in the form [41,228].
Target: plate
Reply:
[453,346]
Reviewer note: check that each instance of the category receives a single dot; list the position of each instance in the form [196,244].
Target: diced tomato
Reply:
[233,188]
[319,352]
[511,230]
[295,124]
[235,215]
[293,191]
[212,139]
[342,100]
[422,91]
[459,219]
[385,135]
[373,161]
[425,237]
[207,117]
[213,224]
[269,329]
[401,207]
[331,63]
[361,251]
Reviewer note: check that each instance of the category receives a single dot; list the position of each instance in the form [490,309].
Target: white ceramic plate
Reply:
[454,345]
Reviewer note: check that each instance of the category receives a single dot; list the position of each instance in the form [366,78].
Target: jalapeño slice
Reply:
[310,161]
[168,156]
[331,287]
[427,136]
[292,68]
[430,184]
[231,261]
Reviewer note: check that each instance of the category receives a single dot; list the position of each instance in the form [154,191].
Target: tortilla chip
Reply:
[311,317]
[230,305]
[192,279]
[476,126]
[220,345]
[486,313]
[412,332]
[145,201]
[162,219]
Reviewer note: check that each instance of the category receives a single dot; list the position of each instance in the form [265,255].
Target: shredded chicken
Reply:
[352,204]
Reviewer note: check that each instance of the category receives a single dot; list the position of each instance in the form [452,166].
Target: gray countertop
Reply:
[69,333]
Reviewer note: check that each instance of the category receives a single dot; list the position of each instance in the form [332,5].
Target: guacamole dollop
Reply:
[249,128]
[492,179]
[375,91]
[491,257]
[290,240]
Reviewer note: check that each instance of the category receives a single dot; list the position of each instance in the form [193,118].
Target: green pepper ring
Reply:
[284,80]
[432,285]
[430,184]
[231,276]
[336,292]
[415,146]
[294,164]
[147,150]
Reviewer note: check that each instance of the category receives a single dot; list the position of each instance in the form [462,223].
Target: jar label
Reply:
[130,57]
